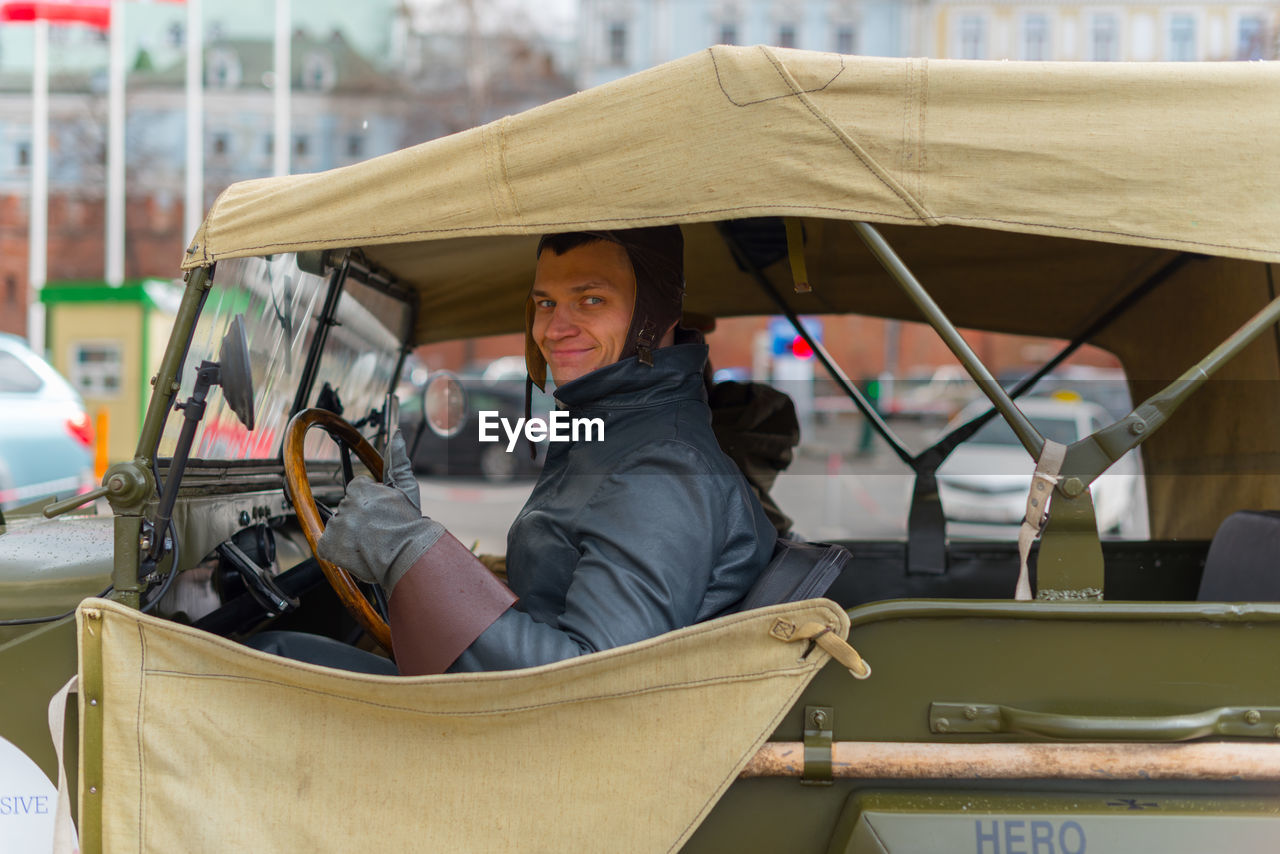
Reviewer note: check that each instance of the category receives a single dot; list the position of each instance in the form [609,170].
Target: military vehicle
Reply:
[1062,694]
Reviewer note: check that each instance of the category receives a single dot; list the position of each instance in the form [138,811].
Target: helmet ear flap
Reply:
[534,362]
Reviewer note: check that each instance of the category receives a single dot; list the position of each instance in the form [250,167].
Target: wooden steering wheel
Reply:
[299,486]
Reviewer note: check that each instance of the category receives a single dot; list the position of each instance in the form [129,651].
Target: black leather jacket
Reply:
[652,529]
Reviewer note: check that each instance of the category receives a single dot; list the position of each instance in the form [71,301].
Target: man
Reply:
[651,529]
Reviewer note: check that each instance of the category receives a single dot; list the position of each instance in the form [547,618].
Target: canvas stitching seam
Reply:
[848,142]
[536,228]
[637,692]
[495,200]
[694,631]
[506,174]
[922,159]
[720,83]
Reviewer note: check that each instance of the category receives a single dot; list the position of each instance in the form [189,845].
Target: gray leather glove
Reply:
[378,531]
[397,471]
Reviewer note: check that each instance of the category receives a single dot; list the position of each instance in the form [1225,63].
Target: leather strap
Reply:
[1042,483]
[442,604]
[64,831]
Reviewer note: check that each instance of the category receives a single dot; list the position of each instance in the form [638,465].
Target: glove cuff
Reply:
[441,604]
[415,546]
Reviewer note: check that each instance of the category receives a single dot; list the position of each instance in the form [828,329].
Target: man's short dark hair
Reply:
[562,243]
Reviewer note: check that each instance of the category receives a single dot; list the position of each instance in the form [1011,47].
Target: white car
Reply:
[46,438]
[985,481]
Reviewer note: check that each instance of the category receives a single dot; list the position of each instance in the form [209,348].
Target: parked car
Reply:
[986,479]
[464,454]
[46,437]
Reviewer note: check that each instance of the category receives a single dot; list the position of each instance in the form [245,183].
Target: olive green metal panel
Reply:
[47,567]
[1075,661]
[32,669]
[1048,823]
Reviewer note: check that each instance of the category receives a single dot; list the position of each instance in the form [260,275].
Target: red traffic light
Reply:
[800,348]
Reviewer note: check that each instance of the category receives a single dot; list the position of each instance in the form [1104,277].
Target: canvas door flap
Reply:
[211,746]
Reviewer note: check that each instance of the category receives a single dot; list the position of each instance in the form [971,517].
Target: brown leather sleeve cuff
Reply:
[441,605]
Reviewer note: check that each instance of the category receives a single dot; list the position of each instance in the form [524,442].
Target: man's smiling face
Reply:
[583,301]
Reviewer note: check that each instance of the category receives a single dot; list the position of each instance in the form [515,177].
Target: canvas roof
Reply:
[1066,179]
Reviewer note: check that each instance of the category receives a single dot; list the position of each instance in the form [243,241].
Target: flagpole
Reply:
[283,136]
[193,212]
[115,212]
[38,221]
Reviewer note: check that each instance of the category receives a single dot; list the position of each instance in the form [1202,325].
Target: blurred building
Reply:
[619,37]
[358,90]
[1157,30]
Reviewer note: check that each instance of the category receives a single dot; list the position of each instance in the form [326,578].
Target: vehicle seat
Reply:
[1243,564]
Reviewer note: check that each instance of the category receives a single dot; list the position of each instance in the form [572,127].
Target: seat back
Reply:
[1243,564]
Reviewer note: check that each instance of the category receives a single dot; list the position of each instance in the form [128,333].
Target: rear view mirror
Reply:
[444,405]
[236,376]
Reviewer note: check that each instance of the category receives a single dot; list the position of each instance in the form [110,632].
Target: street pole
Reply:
[282,147]
[38,221]
[115,213]
[193,209]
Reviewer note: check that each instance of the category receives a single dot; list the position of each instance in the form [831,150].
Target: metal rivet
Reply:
[942,725]
[1137,428]
[1072,487]
[93,790]
[1276,731]
[1252,716]
[818,718]
[94,701]
[971,712]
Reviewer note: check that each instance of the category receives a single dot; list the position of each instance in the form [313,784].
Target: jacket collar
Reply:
[676,374]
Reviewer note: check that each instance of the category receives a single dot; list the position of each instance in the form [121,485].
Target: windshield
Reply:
[282,306]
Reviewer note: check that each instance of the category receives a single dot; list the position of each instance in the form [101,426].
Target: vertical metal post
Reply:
[38,218]
[193,209]
[283,83]
[115,213]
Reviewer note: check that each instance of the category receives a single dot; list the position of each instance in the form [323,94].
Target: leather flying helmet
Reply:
[657,257]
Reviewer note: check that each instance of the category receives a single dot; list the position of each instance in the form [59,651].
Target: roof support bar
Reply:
[1022,426]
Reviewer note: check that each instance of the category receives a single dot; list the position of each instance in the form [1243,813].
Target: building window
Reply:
[269,144]
[846,38]
[1182,38]
[1035,37]
[786,35]
[318,72]
[224,70]
[1105,38]
[301,146]
[1252,40]
[11,289]
[617,43]
[23,154]
[355,145]
[973,37]
[175,35]
[728,34]
[221,144]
